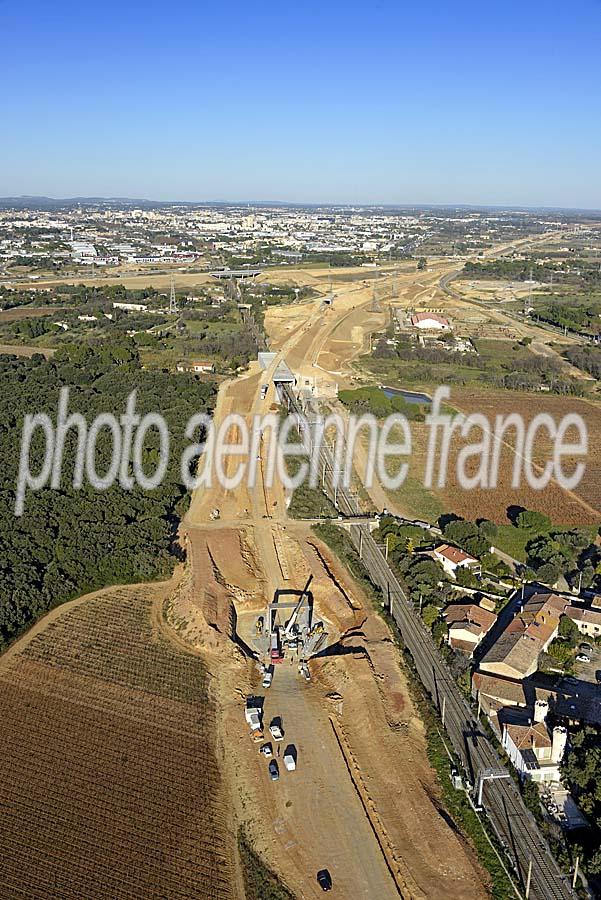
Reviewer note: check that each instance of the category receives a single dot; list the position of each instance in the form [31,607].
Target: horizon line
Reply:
[300,203]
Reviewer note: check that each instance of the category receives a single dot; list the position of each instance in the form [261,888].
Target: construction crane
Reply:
[292,620]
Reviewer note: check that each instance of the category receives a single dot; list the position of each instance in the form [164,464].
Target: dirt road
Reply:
[324,814]
[319,794]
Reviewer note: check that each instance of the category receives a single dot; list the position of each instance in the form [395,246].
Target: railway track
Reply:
[514,825]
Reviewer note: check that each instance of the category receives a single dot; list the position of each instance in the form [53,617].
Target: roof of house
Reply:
[516,650]
[454,554]
[539,616]
[501,688]
[426,316]
[469,616]
[527,737]
[459,644]
[590,616]
[524,638]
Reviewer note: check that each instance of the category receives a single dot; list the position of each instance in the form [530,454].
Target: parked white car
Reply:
[275,730]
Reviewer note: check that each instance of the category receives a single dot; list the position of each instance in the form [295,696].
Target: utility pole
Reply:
[172,301]
[444,707]
[575,878]
[528,879]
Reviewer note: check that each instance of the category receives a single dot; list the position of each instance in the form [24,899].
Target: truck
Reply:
[254,717]
[275,652]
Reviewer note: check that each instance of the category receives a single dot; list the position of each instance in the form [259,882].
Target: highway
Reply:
[514,824]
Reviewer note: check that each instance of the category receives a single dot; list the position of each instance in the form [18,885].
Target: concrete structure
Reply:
[468,623]
[265,359]
[283,375]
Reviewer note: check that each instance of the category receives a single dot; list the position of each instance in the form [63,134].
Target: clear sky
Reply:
[391,102]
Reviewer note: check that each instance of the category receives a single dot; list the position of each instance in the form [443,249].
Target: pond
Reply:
[409,396]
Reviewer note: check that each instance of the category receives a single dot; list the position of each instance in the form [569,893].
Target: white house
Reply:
[199,366]
[131,307]
[534,753]
[430,322]
[468,623]
[588,620]
[452,558]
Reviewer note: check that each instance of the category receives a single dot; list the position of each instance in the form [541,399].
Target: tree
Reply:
[562,653]
[421,263]
[548,573]
[581,771]
[489,530]
[430,614]
[536,521]
[440,631]
[568,630]
[465,577]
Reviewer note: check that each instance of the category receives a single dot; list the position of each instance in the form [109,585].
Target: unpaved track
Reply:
[315,817]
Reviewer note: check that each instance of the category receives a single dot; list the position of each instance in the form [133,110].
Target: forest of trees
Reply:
[579,314]
[586,358]
[72,541]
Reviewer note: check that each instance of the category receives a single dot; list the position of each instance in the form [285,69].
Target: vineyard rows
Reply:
[111,785]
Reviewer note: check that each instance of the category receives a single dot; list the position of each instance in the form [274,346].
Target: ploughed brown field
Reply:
[581,506]
[110,783]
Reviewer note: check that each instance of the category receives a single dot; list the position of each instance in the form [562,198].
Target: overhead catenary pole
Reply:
[528,879]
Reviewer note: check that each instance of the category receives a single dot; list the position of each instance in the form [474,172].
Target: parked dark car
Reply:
[324,880]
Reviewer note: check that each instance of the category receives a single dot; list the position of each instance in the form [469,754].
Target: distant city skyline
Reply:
[329,104]
[40,199]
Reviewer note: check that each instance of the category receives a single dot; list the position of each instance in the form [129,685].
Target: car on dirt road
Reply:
[583,658]
[267,677]
[324,880]
[585,647]
[274,772]
[266,750]
[276,730]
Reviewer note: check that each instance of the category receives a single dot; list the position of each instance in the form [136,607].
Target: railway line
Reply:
[516,828]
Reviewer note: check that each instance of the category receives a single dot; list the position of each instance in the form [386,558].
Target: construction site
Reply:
[303,663]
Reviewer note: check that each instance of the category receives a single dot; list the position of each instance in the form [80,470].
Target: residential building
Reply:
[452,558]
[198,366]
[467,623]
[131,307]
[515,653]
[587,620]
[534,752]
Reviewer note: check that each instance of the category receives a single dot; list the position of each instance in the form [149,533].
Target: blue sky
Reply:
[321,102]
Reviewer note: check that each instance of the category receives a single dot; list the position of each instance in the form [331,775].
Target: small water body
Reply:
[409,396]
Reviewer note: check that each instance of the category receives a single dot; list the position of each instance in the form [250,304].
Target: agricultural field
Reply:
[580,507]
[111,783]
